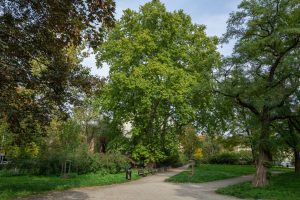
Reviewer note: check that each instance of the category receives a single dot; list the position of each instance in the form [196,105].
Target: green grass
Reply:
[206,173]
[16,186]
[282,169]
[282,187]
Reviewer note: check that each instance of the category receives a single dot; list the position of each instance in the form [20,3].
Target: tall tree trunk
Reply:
[264,157]
[260,178]
[251,145]
[103,142]
[91,144]
[297,161]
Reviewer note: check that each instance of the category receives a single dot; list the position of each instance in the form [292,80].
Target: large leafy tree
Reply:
[158,60]
[263,72]
[40,43]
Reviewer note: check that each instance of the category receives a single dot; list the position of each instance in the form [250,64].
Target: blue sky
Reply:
[212,13]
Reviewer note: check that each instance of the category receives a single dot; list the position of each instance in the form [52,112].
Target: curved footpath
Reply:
[148,188]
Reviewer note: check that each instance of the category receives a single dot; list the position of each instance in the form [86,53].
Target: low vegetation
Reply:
[282,187]
[232,158]
[210,172]
[16,186]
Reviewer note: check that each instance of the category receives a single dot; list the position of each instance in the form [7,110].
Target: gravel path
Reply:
[148,188]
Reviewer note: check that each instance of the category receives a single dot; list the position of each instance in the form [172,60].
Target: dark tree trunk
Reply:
[264,157]
[260,178]
[103,143]
[297,161]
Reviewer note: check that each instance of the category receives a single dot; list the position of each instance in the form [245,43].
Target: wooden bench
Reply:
[146,171]
[141,172]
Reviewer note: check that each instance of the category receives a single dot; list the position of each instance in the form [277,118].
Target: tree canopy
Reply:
[262,75]
[160,62]
[40,55]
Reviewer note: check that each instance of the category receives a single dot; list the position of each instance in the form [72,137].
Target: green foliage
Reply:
[155,76]
[102,163]
[82,162]
[210,146]
[232,158]
[206,173]
[282,187]
[65,142]
[40,59]
[224,158]
[18,186]
[262,75]
[189,141]
[178,160]
[119,144]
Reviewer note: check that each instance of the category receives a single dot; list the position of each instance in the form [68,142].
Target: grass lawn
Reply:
[15,186]
[282,187]
[206,173]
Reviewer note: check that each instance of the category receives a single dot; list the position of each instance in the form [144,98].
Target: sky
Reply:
[212,13]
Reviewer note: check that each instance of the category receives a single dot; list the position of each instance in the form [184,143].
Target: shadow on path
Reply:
[61,195]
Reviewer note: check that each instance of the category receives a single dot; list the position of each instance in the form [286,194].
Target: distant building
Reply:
[240,148]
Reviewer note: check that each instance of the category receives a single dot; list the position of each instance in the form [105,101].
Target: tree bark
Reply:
[297,161]
[103,143]
[264,157]
[91,144]
[260,178]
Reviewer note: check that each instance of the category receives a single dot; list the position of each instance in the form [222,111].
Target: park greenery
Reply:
[282,187]
[170,97]
[212,172]
[18,186]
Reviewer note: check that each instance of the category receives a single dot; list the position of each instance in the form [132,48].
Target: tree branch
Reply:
[295,123]
[285,116]
[284,98]
[247,105]
[240,102]
[278,60]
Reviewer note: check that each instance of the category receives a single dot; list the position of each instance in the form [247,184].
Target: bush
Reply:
[81,163]
[244,158]
[100,163]
[105,163]
[179,160]
[224,158]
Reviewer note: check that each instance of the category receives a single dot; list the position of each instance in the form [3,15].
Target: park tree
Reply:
[40,55]
[243,131]
[289,131]
[160,66]
[263,71]
[190,141]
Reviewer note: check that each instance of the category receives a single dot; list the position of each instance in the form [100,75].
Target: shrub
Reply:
[81,163]
[234,158]
[178,159]
[245,158]
[224,158]
[104,163]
